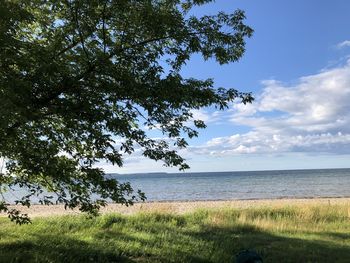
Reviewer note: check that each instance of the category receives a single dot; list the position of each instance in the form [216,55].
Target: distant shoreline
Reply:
[238,171]
[181,207]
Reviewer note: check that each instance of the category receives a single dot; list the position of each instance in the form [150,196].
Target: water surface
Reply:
[233,185]
[242,185]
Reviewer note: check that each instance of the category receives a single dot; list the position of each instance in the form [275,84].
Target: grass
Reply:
[312,233]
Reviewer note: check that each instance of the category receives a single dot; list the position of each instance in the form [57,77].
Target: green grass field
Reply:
[312,233]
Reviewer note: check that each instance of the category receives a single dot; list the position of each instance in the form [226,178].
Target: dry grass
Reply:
[186,207]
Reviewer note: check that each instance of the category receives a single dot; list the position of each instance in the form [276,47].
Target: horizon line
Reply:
[234,171]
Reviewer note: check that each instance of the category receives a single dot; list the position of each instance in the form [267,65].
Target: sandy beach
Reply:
[183,207]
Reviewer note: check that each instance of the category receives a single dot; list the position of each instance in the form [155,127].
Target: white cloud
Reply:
[206,116]
[256,143]
[343,44]
[311,116]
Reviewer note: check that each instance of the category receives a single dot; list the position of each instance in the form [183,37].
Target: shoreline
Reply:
[249,199]
[182,207]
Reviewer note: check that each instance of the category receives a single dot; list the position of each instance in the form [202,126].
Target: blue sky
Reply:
[297,66]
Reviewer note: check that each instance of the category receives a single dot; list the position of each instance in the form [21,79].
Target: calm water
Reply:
[236,185]
[242,185]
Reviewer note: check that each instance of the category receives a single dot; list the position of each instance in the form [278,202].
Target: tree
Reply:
[80,79]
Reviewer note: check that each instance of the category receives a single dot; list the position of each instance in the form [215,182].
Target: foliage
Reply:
[81,79]
[310,233]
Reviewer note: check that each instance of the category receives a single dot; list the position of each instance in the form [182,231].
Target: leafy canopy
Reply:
[80,79]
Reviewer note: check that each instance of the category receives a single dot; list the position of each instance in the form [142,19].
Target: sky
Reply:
[297,65]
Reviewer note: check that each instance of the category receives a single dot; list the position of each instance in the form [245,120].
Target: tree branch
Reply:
[104,26]
[82,41]
[69,47]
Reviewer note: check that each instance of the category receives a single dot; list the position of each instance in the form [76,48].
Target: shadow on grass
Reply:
[128,240]
[273,248]
[335,235]
[47,248]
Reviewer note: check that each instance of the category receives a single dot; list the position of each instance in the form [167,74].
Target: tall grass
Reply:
[310,233]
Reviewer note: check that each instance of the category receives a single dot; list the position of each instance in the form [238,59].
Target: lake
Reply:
[234,185]
[242,185]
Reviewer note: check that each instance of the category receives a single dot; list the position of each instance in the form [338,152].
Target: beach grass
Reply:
[309,233]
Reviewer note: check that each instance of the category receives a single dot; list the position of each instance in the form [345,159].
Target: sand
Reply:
[181,207]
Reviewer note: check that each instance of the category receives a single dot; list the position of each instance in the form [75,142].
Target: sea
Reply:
[275,184]
[241,185]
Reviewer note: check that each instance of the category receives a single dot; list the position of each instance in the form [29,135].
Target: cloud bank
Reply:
[311,116]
